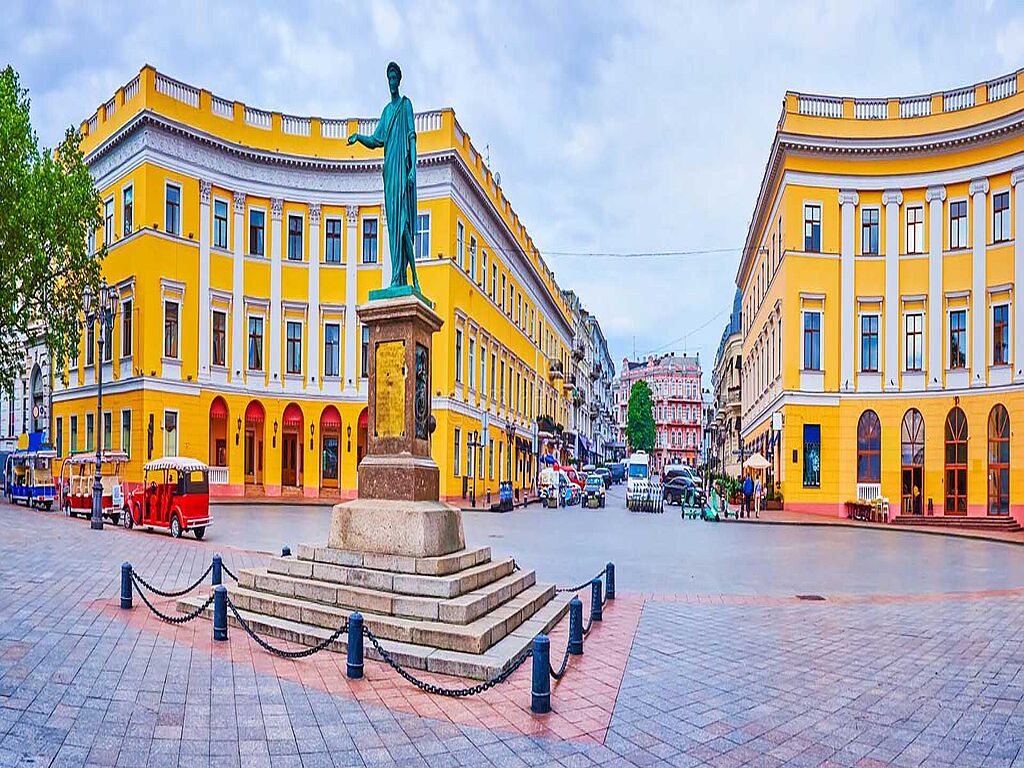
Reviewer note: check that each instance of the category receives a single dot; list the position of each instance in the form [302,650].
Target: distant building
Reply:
[675,385]
[725,383]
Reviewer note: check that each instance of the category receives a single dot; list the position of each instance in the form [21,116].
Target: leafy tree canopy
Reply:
[640,431]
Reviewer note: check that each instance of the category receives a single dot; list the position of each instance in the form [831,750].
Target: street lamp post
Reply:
[99,312]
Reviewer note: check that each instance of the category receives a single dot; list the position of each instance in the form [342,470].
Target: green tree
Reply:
[640,418]
[48,207]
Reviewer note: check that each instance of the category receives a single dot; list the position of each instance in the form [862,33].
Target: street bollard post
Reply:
[355,646]
[595,600]
[575,627]
[541,700]
[609,573]
[286,551]
[217,574]
[220,612]
[126,585]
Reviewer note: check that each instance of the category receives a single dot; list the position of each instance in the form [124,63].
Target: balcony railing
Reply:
[218,475]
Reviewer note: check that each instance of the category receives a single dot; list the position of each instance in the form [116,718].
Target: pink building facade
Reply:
[675,382]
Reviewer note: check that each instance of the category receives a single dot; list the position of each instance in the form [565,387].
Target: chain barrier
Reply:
[561,667]
[280,651]
[227,570]
[165,617]
[589,624]
[438,690]
[582,586]
[173,593]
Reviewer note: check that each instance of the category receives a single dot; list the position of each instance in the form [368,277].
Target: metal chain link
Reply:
[173,593]
[173,619]
[227,570]
[438,690]
[280,652]
[584,585]
[589,624]
[561,669]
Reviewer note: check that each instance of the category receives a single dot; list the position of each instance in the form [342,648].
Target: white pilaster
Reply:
[313,304]
[979,295]
[892,199]
[848,199]
[935,197]
[274,350]
[204,280]
[351,374]
[237,293]
[385,249]
[1017,179]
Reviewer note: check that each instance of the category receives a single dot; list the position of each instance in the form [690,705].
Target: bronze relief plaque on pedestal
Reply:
[391,373]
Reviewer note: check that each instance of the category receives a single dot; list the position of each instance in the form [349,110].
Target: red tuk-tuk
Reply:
[175,494]
[77,475]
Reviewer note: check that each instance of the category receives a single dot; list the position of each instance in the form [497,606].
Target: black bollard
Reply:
[126,585]
[217,574]
[355,646]
[595,600]
[286,551]
[575,627]
[609,572]
[541,700]
[220,612]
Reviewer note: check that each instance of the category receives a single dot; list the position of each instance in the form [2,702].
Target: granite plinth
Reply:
[397,527]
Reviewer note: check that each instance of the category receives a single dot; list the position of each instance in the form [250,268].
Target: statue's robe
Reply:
[396,132]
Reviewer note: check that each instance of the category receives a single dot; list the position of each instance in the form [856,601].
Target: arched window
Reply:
[956,462]
[998,461]
[912,462]
[869,448]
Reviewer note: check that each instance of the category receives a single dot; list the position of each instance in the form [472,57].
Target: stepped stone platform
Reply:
[462,613]
[1000,523]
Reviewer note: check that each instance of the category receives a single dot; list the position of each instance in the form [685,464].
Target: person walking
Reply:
[758,493]
[748,491]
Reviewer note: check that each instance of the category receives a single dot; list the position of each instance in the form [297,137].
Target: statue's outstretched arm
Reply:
[370,142]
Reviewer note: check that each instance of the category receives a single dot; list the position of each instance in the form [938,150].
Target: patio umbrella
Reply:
[757,461]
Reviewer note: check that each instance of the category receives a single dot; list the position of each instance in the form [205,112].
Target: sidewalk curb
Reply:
[888,528]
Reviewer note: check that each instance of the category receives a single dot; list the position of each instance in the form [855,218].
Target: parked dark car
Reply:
[682,488]
[618,470]
[606,475]
[593,491]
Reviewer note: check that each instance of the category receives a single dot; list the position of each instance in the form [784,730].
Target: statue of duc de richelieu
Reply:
[396,133]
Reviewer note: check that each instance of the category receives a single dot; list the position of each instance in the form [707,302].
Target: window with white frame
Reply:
[170,433]
[108,221]
[812,340]
[869,343]
[458,355]
[127,210]
[423,236]
[332,240]
[294,237]
[1000,334]
[126,431]
[171,329]
[472,363]
[958,339]
[257,232]
[127,319]
[219,325]
[812,227]
[915,229]
[483,370]
[913,355]
[369,241]
[220,224]
[868,231]
[483,268]
[255,356]
[332,349]
[293,347]
[364,352]
[1001,216]
[460,245]
[457,456]
[957,224]
[172,209]
[472,257]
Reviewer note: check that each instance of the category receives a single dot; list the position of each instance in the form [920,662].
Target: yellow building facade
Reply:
[883,346]
[241,242]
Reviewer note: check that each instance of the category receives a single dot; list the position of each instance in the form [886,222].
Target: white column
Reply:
[274,350]
[892,199]
[1017,179]
[848,199]
[935,196]
[979,294]
[313,302]
[385,249]
[204,280]
[238,293]
[351,277]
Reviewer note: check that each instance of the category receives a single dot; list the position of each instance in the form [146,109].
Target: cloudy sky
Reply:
[617,127]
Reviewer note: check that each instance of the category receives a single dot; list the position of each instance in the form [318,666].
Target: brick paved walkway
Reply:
[927,679]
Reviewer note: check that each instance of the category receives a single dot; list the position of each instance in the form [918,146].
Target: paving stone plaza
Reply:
[914,657]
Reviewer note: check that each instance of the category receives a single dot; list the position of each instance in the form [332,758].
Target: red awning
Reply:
[218,410]
[254,413]
[330,419]
[292,416]
[364,419]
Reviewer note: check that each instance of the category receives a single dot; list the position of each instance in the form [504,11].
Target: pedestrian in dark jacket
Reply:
[748,492]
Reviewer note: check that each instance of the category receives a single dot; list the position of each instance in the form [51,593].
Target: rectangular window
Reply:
[364,352]
[127,211]
[171,329]
[126,327]
[494,358]
[332,246]
[502,382]
[108,222]
[957,224]
[256,344]
[422,236]
[172,209]
[294,237]
[257,220]
[458,356]
[126,432]
[914,352]
[60,435]
[457,458]
[490,458]
[470,452]
[494,279]
[293,347]
[483,372]
[108,431]
[915,229]
[332,349]
[1001,217]
[483,269]
[812,455]
[369,241]
[958,339]
[812,341]
[1000,334]
[812,228]
[460,245]
[108,344]
[519,310]
[472,363]
[220,224]
[869,343]
[501,301]
[170,433]
[90,432]
[220,337]
[868,231]
[73,436]
[472,257]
